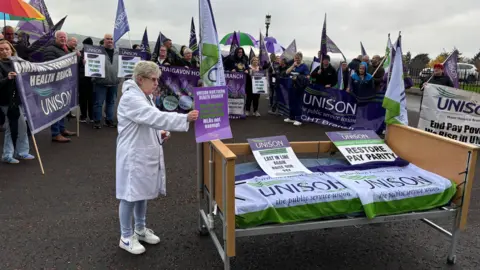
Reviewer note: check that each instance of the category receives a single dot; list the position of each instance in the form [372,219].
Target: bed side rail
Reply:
[446,157]
[308,147]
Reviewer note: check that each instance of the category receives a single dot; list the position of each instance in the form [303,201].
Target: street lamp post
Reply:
[268,18]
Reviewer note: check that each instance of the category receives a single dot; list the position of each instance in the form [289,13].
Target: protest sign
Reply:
[259,82]
[127,60]
[236,94]
[48,90]
[451,112]
[94,61]
[361,146]
[213,122]
[337,108]
[275,156]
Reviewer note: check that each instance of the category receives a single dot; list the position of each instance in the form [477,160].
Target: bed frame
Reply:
[446,157]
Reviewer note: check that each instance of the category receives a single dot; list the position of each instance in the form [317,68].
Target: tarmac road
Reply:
[67,219]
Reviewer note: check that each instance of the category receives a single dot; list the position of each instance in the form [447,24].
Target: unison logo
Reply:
[53,103]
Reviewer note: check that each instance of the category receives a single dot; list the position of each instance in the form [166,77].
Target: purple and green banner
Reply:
[213,122]
[48,90]
[175,91]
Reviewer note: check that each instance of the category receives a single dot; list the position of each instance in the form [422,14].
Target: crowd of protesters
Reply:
[361,77]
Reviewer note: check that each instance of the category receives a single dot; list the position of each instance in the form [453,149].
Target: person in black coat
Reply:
[85,88]
[188,61]
[52,52]
[237,62]
[439,77]
[324,74]
[16,145]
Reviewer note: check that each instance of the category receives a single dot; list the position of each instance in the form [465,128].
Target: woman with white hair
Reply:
[188,61]
[140,168]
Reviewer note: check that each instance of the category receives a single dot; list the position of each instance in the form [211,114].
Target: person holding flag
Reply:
[324,74]
[439,77]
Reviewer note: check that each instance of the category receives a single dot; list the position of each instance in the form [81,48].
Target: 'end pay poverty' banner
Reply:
[213,122]
[48,90]
[451,112]
[175,90]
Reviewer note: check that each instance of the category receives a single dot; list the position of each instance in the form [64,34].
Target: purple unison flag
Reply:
[145,47]
[450,67]
[323,44]
[193,40]
[48,90]
[35,28]
[235,44]
[333,48]
[362,49]
[121,22]
[290,51]
[264,59]
[37,48]
[213,121]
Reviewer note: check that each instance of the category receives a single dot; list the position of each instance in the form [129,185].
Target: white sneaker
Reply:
[132,245]
[247,113]
[287,120]
[296,123]
[257,114]
[147,236]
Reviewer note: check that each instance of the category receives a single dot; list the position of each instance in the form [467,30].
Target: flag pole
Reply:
[131,46]
[383,61]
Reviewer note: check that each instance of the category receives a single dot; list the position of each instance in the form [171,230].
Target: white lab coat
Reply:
[140,167]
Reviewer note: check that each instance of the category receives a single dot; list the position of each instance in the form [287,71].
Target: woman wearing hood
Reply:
[238,62]
[361,83]
[85,90]
[140,167]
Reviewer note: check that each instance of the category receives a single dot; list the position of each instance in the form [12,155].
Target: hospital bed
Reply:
[217,164]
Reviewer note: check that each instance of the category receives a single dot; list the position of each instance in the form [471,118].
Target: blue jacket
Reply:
[363,88]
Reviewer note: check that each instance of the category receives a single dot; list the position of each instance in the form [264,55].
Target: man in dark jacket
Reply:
[172,56]
[355,63]
[324,74]
[378,76]
[52,52]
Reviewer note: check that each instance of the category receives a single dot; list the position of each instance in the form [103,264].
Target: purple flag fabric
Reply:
[145,47]
[235,44]
[362,49]
[264,59]
[121,22]
[333,48]
[251,55]
[323,44]
[159,43]
[175,91]
[193,40]
[37,48]
[290,51]
[450,67]
[48,90]
[35,28]
[213,122]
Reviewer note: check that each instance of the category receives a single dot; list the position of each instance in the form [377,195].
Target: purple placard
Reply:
[213,122]
[265,143]
[354,135]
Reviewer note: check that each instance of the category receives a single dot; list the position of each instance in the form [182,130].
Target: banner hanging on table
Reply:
[213,122]
[94,61]
[48,90]
[175,90]
[339,109]
[451,112]
[127,60]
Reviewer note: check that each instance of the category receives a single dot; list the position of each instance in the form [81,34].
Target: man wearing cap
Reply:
[439,76]
[324,74]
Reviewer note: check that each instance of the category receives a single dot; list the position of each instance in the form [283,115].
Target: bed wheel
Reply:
[452,261]
[203,231]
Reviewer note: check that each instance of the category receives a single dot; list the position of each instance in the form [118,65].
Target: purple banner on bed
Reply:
[265,143]
[48,90]
[213,123]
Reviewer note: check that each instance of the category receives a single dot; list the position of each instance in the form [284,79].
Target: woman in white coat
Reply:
[140,169]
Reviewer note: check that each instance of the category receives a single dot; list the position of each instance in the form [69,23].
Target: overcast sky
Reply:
[427,25]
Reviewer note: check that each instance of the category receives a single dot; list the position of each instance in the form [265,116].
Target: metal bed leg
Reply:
[452,258]
[211,193]
[226,259]
[202,228]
